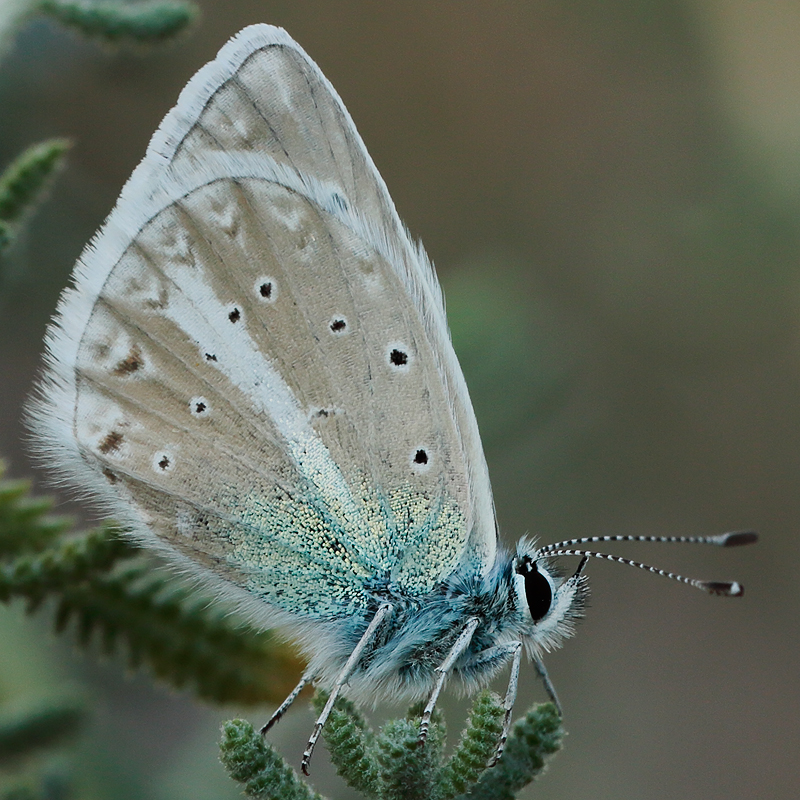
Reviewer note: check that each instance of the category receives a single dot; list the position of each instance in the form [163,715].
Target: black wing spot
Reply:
[398,358]
[265,289]
[338,325]
[199,407]
[235,315]
[210,357]
[162,462]
[420,457]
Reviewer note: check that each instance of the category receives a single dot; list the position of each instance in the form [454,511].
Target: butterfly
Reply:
[252,371]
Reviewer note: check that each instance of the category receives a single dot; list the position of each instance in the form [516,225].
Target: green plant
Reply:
[391,764]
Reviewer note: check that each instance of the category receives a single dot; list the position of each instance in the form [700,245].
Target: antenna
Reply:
[732,539]
[724,588]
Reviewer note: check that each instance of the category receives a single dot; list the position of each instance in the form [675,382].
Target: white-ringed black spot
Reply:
[199,407]
[265,289]
[338,325]
[163,462]
[398,357]
[235,314]
[420,460]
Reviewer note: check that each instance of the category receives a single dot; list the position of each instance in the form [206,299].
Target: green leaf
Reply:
[25,182]
[351,744]
[25,522]
[252,762]
[23,734]
[475,749]
[392,765]
[533,738]
[60,568]
[146,23]
[409,769]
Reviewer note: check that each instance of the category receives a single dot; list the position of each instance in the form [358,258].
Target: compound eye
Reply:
[538,591]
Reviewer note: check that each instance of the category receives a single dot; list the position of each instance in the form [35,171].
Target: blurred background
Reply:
[611,194]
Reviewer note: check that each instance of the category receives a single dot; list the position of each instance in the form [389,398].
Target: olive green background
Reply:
[611,193]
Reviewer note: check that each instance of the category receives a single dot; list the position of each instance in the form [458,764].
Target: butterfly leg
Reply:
[284,706]
[548,686]
[443,670]
[515,649]
[341,679]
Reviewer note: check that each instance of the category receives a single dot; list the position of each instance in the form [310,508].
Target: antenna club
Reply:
[732,589]
[738,538]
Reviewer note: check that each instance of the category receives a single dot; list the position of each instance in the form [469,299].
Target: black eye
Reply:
[538,591]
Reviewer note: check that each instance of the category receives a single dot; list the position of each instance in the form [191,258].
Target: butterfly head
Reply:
[550,602]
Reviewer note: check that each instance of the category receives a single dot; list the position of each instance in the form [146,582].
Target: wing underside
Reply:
[254,357]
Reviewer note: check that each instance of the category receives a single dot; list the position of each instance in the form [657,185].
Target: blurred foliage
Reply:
[23,734]
[52,784]
[115,23]
[138,24]
[29,733]
[391,765]
[178,635]
[25,524]
[24,183]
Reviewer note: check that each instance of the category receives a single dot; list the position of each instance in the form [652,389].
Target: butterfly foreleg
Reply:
[548,685]
[514,649]
[443,670]
[341,679]
[284,706]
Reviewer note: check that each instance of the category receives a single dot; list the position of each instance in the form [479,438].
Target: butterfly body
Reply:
[422,629]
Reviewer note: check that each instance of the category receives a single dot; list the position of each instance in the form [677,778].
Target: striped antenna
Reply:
[724,588]
[732,539]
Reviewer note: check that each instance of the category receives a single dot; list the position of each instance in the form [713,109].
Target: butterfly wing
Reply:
[253,367]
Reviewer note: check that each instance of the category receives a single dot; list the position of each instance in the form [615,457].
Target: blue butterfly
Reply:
[253,372]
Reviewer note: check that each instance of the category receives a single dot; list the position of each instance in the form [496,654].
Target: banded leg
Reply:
[341,679]
[284,706]
[443,670]
[548,686]
[515,648]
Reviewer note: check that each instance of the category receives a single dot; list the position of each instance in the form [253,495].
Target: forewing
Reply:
[256,376]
